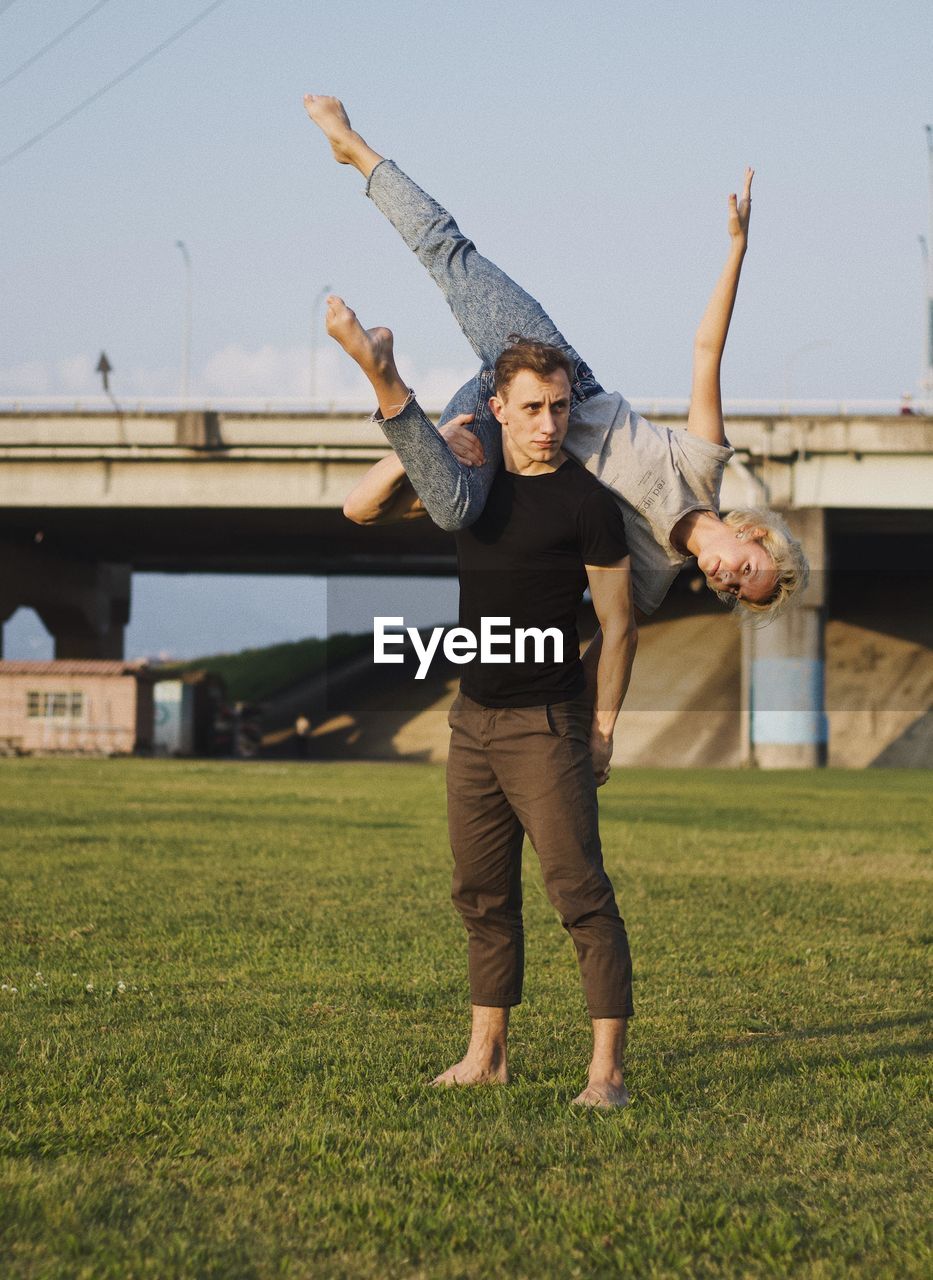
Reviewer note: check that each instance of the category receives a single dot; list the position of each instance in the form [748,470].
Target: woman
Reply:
[667,478]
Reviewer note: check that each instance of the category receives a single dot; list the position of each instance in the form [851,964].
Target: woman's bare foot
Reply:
[604,1094]
[372,351]
[370,348]
[347,145]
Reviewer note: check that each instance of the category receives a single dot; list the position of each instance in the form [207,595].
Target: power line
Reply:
[111,84]
[52,43]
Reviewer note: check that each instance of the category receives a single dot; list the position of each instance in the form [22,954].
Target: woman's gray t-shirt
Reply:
[658,473]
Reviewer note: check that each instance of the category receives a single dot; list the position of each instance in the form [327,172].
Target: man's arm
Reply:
[614,649]
[385,494]
[590,655]
[705,416]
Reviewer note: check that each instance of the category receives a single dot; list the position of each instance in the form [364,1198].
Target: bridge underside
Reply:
[315,540]
[74,566]
[321,541]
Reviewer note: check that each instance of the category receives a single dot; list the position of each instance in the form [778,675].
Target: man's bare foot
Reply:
[605,1084]
[475,1070]
[347,145]
[604,1094]
[486,1058]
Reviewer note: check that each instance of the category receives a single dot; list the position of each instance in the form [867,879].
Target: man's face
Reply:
[740,566]
[534,412]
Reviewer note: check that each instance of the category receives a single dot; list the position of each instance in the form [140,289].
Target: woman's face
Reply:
[739,565]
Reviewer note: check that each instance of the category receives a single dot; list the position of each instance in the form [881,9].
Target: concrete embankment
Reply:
[683,707]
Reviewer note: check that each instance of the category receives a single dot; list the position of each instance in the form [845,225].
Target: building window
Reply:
[54,706]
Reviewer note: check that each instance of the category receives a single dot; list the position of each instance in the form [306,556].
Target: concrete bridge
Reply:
[86,498]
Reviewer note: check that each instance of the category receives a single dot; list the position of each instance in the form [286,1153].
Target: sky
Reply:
[589,150]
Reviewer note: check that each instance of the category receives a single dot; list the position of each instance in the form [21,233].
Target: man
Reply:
[668,479]
[529,741]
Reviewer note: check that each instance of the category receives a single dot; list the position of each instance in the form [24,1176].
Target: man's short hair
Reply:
[541,358]
[789,558]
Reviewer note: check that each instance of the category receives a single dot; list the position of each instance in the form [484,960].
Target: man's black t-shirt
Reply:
[524,560]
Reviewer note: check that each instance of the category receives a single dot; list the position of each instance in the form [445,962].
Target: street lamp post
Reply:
[312,367]
[186,333]
[926,357]
[928,273]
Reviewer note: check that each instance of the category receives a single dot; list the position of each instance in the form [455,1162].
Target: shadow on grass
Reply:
[761,1041]
[803,1068]
[830,1033]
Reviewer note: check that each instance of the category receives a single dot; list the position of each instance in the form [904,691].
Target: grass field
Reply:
[250,971]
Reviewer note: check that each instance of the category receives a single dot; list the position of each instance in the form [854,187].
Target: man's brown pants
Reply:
[513,770]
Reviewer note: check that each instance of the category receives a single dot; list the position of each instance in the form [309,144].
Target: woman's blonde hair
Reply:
[790,561]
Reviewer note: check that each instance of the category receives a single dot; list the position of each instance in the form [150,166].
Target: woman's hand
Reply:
[740,210]
[461,441]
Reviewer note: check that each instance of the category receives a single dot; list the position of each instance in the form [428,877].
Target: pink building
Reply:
[84,706]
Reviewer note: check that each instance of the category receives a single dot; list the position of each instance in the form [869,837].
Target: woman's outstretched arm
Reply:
[705,416]
[384,495]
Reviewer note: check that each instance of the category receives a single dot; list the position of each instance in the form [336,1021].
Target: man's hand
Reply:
[601,754]
[461,441]
[611,589]
[740,210]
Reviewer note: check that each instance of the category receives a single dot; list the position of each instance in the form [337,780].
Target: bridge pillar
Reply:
[786,663]
[199,429]
[85,606]
[7,609]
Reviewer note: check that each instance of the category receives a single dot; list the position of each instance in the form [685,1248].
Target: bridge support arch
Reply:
[85,606]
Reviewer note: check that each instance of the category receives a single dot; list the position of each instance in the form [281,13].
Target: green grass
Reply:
[253,1102]
[254,674]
